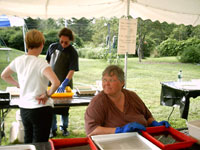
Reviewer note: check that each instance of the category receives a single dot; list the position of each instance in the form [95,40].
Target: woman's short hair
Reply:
[66,32]
[114,70]
[34,39]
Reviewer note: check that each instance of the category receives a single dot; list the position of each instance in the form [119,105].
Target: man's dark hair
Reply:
[66,32]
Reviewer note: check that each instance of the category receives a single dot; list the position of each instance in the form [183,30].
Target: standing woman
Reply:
[33,75]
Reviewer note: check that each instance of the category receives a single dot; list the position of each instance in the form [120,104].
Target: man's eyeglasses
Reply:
[65,42]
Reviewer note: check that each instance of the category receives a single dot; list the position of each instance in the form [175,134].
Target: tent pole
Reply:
[126,54]
[24,39]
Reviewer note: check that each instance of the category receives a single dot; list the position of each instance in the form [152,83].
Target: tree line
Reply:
[153,38]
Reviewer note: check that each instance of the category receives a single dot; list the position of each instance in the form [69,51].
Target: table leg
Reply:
[184,107]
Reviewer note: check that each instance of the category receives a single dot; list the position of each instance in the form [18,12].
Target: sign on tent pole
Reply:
[127,39]
[127,36]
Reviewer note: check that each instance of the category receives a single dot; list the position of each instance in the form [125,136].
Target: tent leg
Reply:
[125,69]
[24,39]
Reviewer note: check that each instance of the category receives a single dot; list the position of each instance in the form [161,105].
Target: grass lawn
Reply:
[144,78]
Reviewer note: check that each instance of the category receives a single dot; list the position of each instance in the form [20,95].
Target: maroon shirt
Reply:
[102,112]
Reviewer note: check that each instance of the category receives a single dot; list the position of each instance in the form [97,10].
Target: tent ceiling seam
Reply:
[196,20]
[145,5]
[46,7]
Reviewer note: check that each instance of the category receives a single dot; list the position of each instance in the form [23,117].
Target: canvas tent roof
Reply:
[11,21]
[172,11]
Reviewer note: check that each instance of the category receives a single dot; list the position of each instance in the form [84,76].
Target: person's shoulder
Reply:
[72,51]
[53,46]
[19,58]
[42,60]
[72,48]
[98,98]
[130,93]
[126,91]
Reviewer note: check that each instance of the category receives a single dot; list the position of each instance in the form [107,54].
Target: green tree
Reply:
[196,32]
[100,30]
[16,40]
[32,23]
[181,32]
[81,27]
[5,34]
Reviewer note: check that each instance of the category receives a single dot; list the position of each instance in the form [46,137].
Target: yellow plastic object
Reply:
[68,93]
[56,95]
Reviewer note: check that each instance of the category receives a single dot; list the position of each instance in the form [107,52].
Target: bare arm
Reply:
[106,130]
[7,76]
[150,120]
[102,130]
[49,74]
[70,74]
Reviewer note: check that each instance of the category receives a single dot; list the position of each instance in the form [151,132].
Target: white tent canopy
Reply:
[185,12]
[11,21]
[172,11]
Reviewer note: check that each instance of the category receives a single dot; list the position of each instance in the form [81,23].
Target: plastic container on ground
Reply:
[18,147]
[17,129]
[194,129]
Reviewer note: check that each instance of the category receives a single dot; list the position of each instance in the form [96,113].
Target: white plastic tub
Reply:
[18,147]
[194,128]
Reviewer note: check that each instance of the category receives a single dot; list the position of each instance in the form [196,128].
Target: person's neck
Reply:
[117,97]
[119,101]
[34,52]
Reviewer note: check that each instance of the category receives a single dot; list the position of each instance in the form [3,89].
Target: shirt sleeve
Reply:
[50,50]
[74,61]
[94,115]
[48,56]
[143,108]
[12,65]
[43,65]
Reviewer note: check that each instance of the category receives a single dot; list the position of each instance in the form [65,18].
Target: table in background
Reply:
[61,102]
[58,103]
[179,93]
[8,50]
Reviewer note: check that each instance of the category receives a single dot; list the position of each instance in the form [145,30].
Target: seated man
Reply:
[115,109]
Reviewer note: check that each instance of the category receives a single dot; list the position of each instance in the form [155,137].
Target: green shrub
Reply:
[98,53]
[148,46]
[78,41]
[190,55]
[168,48]
[5,34]
[172,47]
[50,37]
[16,40]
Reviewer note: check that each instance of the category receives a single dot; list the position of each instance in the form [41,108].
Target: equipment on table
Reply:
[68,93]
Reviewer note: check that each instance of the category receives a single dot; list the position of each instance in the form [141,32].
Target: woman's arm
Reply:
[102,130]
[7,76]
[49,74]
[150,120]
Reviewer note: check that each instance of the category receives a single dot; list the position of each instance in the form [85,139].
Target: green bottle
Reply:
[180,76]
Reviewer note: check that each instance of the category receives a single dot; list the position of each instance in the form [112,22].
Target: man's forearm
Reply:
[70,74]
